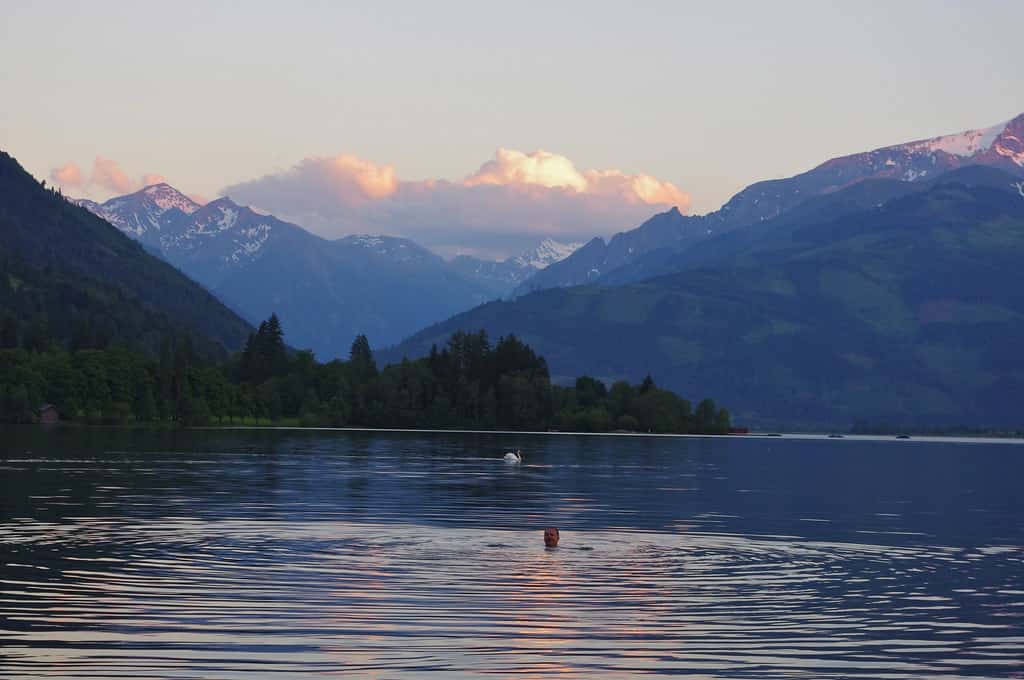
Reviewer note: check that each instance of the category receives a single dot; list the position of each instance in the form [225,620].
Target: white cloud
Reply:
[540,167]
[505,205]
[546,169]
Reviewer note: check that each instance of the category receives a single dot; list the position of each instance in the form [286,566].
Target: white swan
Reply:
[514,456]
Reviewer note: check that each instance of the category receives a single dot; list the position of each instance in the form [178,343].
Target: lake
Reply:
[240,554]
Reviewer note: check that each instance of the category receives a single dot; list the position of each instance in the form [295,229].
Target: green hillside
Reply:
[68,277]
[909,312]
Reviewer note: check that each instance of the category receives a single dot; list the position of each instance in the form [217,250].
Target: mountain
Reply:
[77,279]
[546,254]
[1000,146]
[325,292]
[501,277]
[906,312]
[207,241]
[139,213]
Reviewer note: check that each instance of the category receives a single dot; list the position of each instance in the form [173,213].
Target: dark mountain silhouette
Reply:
[69,276]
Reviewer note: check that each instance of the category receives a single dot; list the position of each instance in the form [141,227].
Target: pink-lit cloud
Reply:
[107,174]
[107,178]
[68,176]
[508,203]
[151,178]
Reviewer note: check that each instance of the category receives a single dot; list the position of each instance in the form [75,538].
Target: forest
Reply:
[469,383]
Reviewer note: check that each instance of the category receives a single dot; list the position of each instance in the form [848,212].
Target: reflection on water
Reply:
[234,555]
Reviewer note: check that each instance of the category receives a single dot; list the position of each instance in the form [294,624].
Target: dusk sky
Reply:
[428,120]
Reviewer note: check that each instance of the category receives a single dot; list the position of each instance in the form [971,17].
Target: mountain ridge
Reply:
[1000,146]
[325,291]
[501,277]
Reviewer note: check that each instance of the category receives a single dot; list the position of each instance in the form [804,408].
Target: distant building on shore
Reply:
[48,415]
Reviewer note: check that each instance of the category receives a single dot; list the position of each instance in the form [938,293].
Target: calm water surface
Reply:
[372,555]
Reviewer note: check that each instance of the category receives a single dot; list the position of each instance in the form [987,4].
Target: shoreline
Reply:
[791,436]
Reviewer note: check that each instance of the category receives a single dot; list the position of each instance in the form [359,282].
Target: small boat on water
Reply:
[514,456]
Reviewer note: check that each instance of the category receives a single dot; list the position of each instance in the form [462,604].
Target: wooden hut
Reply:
[48,414]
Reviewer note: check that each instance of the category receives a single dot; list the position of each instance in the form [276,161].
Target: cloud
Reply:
[505,206]
[150,179]
[546,169]
[637,188]
[107,178]
[68,176]
[107,174]
[343,179]
[540,168]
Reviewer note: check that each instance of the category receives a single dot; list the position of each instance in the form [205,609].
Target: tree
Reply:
[590,392]
[273,348]
[38,337]
[274,408]
[247,362]
[361,359]
[145,405]
[9,333]
[620,399]
[628,423]
[706,417]
[722,422]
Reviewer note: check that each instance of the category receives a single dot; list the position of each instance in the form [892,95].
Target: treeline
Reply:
[469,383]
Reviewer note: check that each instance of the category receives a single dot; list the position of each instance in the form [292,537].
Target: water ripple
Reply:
[381,564]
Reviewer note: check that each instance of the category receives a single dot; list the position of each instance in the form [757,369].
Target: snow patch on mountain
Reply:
[228,217]
[91,206]
[964,144]
[1012,147]
[367,241]
[255,237]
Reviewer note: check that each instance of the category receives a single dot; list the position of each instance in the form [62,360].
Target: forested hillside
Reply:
[71,279]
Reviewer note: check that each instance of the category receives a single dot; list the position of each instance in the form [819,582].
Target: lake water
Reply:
[217,554]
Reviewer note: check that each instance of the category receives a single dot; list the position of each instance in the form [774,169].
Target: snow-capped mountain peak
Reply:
[143,211]
[165,197]
[547,253]
[221,233]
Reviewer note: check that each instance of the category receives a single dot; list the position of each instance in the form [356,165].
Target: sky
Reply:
[480,127]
